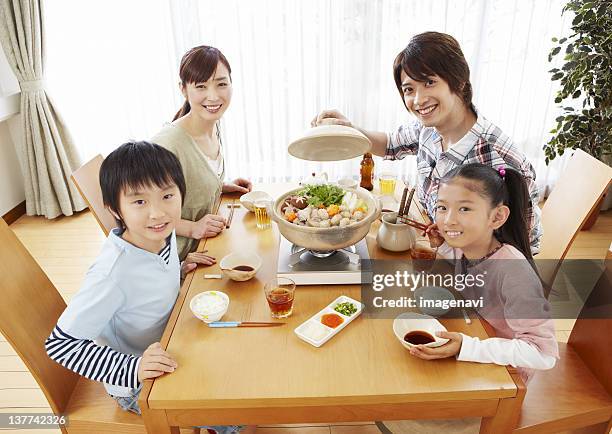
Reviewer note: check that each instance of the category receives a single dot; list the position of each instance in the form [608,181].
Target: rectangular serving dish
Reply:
[326,333]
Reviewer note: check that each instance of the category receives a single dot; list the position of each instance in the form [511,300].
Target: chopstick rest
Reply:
[212,276]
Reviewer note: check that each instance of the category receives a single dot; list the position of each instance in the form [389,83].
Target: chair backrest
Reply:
[87,180]
[576,193]
[29,310]
[590,336]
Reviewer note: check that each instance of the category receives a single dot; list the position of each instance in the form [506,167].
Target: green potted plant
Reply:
[586,83]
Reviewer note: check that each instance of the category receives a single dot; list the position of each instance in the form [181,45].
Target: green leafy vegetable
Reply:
[322,194]
[346,308]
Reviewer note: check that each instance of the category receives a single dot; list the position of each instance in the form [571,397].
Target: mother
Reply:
[194,137]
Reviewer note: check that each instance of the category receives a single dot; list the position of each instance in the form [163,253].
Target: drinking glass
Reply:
[279,294]
[387,184]
[262,218]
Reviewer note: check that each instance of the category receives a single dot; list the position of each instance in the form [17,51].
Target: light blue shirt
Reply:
[125,300]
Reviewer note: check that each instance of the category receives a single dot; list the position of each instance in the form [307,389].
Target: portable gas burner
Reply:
[312,267]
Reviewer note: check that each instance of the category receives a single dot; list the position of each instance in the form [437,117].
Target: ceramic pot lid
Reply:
[330,143]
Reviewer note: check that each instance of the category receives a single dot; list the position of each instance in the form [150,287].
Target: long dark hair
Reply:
[434,53]
[509,189]
[197,66]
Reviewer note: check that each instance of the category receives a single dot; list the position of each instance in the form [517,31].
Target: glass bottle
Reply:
[367,172]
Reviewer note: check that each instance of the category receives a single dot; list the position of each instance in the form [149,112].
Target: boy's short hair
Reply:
[434,53]
[135,165]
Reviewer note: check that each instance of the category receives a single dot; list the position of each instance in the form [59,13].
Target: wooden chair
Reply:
[87,180]
[577,392]
[29,310]
[577,191]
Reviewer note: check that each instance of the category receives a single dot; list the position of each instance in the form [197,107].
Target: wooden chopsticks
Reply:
[231,215]
[231,324]
[404,209]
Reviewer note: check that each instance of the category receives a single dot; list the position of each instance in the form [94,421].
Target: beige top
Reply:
[203,183]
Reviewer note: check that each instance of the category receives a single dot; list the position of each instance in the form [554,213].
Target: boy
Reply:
[130,290]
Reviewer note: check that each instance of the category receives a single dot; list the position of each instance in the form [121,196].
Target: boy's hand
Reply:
[193,259]
[208,226]
[449,349]
[155,362]
[239,185]
[435,238]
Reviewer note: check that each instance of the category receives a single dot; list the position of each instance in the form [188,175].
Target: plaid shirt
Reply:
[485,143]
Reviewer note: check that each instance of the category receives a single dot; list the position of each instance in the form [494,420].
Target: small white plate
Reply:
[410,321]
[248,199]
[330,143]
[316,333]
[432,293]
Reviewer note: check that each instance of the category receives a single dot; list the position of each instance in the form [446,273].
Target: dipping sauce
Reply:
[419,337]
[243,268]
[332,320]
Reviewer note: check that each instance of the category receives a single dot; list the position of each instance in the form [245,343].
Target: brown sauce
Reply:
[419,337]
[243,268]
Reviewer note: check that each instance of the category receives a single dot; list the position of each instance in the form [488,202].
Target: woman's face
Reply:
[210,99]
[432,102]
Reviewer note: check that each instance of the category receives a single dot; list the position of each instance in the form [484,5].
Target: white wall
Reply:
[11,180]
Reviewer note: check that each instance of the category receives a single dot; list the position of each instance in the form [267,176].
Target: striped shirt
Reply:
[485,143]
[96,362]
[101,362]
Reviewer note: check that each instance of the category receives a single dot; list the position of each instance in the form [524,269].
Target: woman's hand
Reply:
[193,259]
[239,185]
[449,349]
[330,117]
[433,233]
[208,226]
[155,362]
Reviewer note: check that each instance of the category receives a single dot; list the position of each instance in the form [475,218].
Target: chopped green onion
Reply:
[346,308]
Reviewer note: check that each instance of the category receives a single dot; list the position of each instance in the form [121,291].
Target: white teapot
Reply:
[396,237]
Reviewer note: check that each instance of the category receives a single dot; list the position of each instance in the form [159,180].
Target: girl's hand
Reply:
[208,226]
[193,259]
[330,117]
[239,185]
[155,362]
[449,349]
[435,238]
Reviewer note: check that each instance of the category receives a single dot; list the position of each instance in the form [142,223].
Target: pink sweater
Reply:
[515,306]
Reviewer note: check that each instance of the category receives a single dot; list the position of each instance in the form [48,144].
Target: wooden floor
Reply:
[66,247]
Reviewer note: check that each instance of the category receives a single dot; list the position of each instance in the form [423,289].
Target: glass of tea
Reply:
[387,184]
[422,255]
[261,214]
[279,294]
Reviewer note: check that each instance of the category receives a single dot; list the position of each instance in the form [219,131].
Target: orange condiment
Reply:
[331,320]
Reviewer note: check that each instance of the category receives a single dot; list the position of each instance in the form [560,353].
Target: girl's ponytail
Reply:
[514,231]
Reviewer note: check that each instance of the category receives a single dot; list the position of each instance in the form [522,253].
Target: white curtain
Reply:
[115,70]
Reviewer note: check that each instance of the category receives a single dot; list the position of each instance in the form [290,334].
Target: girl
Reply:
[480,214]
[433,79]
[194,137]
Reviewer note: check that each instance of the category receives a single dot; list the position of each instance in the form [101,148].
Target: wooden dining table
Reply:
[269,376]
